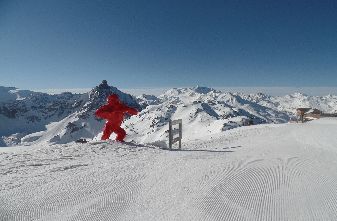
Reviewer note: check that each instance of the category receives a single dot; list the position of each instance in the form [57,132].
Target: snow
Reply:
[32,118]
[204,111]
[263,172]
[12,93]
[225,171]
[289,103]
[43,118]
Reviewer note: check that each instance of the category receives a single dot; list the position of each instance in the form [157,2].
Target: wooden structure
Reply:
[306,113]
[175,131]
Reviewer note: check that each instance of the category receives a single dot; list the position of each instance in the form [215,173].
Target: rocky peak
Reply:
[202,90]
[98,95]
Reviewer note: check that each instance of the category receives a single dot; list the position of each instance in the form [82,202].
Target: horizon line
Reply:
[270,90]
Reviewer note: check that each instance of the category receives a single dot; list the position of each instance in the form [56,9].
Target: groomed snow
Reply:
[264,172]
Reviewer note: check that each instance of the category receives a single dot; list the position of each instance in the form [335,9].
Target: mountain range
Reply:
[28,117]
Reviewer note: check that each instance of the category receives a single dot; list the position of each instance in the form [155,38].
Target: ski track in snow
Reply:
[264,172]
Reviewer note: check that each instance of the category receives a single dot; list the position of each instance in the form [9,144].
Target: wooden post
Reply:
[302,116]
[180,133]
[170,134]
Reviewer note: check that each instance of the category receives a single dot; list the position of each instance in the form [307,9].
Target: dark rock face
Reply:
[73,127]
[99,95]
[10,113]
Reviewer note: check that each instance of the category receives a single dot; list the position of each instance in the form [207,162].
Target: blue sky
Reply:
[172,43]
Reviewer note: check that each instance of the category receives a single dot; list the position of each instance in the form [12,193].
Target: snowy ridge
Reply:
[27,112]
[204,112]
[289,103]
[11,93]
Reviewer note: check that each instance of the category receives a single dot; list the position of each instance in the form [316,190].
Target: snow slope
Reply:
[263,172]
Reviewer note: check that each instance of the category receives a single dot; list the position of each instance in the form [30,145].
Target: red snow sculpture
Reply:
[114,112]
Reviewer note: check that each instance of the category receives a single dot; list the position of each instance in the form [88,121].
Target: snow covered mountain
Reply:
[289,103]
[29,117]
[204,112]
[25,112]
[40,117]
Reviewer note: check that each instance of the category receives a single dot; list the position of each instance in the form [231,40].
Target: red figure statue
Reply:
[114,112]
